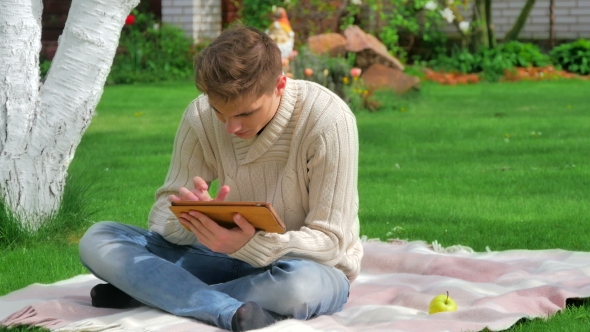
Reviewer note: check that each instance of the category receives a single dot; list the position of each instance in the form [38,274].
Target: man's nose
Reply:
[232,125]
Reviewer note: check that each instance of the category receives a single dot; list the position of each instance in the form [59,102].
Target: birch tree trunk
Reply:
[552,24]
[482,36]
[41,124]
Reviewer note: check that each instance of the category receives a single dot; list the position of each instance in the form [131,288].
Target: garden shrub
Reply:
[258,13]
[492,63]
[335,74]
[307,17]
[150,51]
[459,60]
[389,20]
[573,57]
[336,68]
[523,54]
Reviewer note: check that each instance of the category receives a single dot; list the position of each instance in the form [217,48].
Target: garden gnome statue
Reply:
[280,31]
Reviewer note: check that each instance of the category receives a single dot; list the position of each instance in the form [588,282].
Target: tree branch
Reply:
[520,21]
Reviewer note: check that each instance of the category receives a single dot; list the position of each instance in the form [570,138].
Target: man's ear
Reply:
[281,84]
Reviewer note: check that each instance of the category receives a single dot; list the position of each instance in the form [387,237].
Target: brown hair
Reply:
[241,62]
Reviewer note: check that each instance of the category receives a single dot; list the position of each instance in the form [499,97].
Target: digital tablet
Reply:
[260,214]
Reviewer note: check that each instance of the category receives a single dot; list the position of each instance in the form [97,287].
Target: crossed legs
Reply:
[193,281]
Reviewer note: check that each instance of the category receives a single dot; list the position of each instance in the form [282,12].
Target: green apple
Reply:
[442,303]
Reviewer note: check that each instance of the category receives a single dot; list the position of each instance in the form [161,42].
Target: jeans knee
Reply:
[96,243]
[93,236]
[309,289]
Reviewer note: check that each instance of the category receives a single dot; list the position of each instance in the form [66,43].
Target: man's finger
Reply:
[200,183]
[188,225]
[244,225]
[202,223]
[222,194]
[187,195]
[202,195]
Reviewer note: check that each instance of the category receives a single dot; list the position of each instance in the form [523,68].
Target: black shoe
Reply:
[109,296]
[251,316]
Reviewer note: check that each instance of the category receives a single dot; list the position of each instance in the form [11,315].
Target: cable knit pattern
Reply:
[304,162]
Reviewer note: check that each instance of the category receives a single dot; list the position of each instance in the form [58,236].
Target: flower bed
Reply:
[517,74]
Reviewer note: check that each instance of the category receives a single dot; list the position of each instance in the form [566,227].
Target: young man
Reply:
[264,137]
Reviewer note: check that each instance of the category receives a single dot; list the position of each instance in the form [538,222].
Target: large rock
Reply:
[379,76]
[369,49]
[332,44]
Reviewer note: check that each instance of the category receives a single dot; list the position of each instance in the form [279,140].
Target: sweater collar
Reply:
[275,128]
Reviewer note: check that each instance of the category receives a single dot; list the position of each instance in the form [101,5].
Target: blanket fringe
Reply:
[26,316]
[437,247]
[13,320]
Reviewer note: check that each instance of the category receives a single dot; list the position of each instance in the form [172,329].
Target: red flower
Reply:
[355,72]
[130,19]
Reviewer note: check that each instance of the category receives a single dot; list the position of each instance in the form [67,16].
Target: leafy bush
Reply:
[523,54]
[257,13]
[390,20]
[307,17]
[492,63]
[336,68]
[460,60]
[335,74]
[150,51]
[573,57]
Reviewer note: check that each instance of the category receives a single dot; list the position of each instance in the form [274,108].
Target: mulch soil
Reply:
[518,74]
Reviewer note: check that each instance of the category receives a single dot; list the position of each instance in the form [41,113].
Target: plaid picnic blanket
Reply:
[492,289]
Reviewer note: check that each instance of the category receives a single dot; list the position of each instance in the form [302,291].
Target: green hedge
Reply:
[573,57]
[150,51]
[493,62]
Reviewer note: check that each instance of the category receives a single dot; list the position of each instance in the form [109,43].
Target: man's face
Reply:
[247,116]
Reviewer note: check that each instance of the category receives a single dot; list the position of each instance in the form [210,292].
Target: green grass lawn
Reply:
[500,165]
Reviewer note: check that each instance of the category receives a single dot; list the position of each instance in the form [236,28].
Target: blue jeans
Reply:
[193,281]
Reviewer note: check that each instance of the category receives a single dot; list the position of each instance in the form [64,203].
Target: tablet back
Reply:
[260,214]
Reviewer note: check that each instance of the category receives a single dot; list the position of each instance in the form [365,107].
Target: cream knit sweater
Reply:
[304,162]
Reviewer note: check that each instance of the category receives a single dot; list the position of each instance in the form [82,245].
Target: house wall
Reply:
[200,19]
[572,19]
[204,19]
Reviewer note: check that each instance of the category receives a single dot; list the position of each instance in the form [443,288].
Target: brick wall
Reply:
[572,19]
[200,19]
[203,19]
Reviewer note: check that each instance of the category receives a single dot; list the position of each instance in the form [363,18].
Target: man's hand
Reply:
[208,232]
[217,238]
[200,193]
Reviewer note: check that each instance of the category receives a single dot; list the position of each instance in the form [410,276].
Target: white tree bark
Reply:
[41,125]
